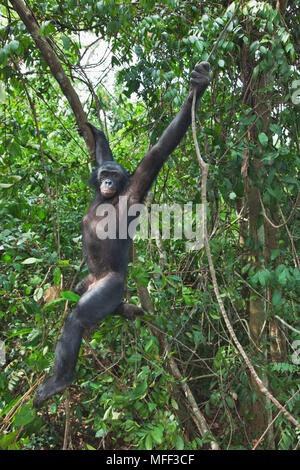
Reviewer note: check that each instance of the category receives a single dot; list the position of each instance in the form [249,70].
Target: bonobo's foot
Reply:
[132,311]
[50,387]
[129,311]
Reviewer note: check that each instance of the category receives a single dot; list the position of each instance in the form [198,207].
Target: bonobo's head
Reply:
[109,179]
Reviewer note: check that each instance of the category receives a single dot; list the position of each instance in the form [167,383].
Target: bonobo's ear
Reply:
[102,149]
[127,172]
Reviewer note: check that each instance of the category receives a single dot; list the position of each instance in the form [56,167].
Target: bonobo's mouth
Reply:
[108,192]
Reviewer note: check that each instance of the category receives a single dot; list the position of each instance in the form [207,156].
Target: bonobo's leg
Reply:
[97,303]
[66,354]
[129,311]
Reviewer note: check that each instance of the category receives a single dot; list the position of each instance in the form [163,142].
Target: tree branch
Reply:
[56,69]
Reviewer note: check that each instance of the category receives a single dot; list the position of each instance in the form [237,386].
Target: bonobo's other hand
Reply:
[200,78]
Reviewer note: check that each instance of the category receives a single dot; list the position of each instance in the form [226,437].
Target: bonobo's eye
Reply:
[104,174]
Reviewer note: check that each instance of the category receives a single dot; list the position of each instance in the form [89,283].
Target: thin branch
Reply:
[273,421]
[289,217]
[196,414]
[224,30]
[287,325]
[67,424]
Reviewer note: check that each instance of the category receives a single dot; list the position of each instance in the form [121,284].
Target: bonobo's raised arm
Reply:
[149,167]
[102,148]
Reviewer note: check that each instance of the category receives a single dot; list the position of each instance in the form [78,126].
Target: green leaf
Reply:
[255,71]
[215,316]
[152,406]
[6,258]
[3,57]
[179,443]
[275,254]
[174,404]
[89,447]
[66,42]
[31,261]
[157,435]
[34,337]
[188,300]
[47,28]
[276,298]
[7,440]
[139,51]
[26,415]
[283,277]
[263,49]
[254,46]
[148,442]
[263,138]
[264,276]
[68,295]
[38,294]
[14,149]
[13,46]
[230,402]
[57,276]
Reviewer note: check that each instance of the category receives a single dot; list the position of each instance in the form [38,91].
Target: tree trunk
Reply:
[261,413]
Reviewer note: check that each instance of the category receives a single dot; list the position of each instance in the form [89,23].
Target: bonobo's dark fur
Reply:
[107,259]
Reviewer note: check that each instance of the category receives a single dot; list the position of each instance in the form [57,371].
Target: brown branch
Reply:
[56,69]
[224,30]
[196,414]
[68,422]
[103,366]
[296,205]
[273,421]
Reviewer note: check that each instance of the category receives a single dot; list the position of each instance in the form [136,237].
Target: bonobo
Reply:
[101,291]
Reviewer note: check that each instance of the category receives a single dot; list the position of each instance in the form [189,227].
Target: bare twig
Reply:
[273,421]
[15,408]
[196,414]
[67,424]
[287,325]
[289,217]
[224,30]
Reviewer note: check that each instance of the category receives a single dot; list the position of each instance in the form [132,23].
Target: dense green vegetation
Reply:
[130,63]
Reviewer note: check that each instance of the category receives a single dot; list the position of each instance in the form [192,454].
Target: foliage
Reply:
[125,395]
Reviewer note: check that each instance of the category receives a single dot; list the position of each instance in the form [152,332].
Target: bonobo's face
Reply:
[111,179]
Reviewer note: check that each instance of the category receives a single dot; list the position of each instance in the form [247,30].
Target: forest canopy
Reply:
[215,362]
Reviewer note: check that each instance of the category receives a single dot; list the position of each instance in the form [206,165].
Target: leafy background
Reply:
[130,63]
